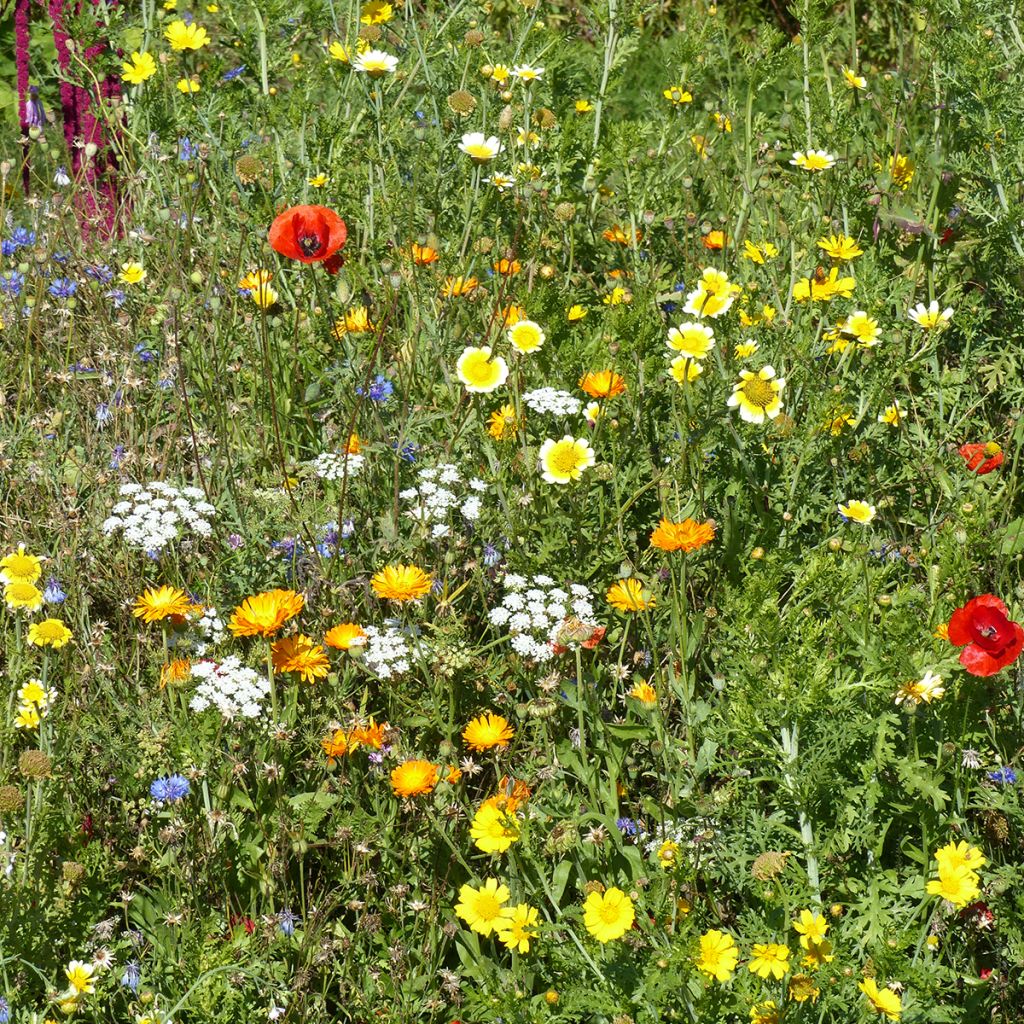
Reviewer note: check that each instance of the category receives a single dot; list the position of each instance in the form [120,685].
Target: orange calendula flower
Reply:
[644,693]
[423,255]
[507,267]
[512,794]
[345,636]
[511,315]
[160,603]
[264,614]
[175,672]
[414,778]
[620,235]
[602,384]
[941,631]
[401,583]
[455,286]
[299,654]
[714,240]
[487,731]
[689,535]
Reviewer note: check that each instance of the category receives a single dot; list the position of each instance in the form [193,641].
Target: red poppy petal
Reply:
[959,629]
[979,663]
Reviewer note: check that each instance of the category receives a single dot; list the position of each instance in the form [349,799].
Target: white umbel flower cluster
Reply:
[535,611]
[559,403]
[441,490]
[151,517]
[229,686]
[386,651]
[331,465]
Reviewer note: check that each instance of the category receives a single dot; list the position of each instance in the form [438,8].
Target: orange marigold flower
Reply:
[401,583]
[336,746]
[354,446]
[455,286]
[176,671]
[689,535]
[714,240]
[300,655]
[507,267]
[370,735]
[941,631]
[644,692]
[264,614]
[486,731]
[454,774]
[413,778]
[512,793]
[620,235]
[511,315]
[159,603]
[602,383]
[423,255]
[345,636]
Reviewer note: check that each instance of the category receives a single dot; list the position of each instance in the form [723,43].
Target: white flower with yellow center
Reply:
[502,182]
[857,511]
[375,63]
[563,461]
[479,372]
[758,395]
[479,147]
[921,691]
[862,327]
[813,160]
[526,336]
[527,73]
[713,296]
[692,340]
[684,370]
[930,317]
[892,415]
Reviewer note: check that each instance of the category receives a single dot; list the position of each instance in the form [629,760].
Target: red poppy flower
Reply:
[982,458]
[308,233]
[990,640]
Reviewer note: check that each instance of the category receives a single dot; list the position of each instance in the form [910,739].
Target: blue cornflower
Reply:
[492,556]
[116,456]
[53,594]
[130,978]
[22,236]
[170,788]
[286,921]
[11,283]
[116,296]
[407,453]
[103,414]
[5,1010]
[61,257]
[186,151]
[62,288]
[230,76]
[145,355]
[669,307]
[100,272]
[627,826]
[380,390]
[1004,776]
[8,247]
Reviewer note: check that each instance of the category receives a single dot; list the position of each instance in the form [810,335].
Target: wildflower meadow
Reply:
[511,511]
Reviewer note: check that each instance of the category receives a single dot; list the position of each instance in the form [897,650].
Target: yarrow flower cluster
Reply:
[536,612]
[559,403]
[230,687]
[435,496]
[154,516]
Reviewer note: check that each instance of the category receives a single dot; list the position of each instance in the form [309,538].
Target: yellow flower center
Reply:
[564,458]
[758,392]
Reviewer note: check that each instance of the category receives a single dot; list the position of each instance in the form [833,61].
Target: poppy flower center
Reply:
[310,244]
